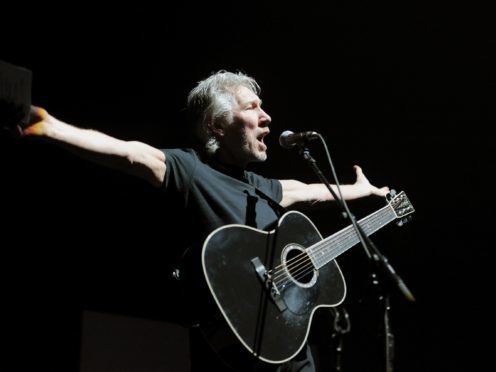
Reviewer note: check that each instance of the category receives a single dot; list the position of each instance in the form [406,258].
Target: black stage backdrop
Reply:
[406,91]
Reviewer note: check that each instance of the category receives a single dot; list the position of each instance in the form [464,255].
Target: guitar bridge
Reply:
[269,285]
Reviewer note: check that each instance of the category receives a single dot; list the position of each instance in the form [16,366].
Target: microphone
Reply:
[288,139]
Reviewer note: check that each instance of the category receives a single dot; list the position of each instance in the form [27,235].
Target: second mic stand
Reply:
[378,260]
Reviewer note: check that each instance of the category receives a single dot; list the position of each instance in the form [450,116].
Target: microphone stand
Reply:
[378,261]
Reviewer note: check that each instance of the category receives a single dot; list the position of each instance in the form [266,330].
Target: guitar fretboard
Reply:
[328,249]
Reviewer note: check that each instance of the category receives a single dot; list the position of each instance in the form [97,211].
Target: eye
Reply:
[253,106]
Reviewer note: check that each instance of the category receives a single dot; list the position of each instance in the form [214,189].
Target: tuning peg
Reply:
[391,194]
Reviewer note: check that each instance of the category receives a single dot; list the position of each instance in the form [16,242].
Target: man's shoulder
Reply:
[180,152]
[255,177]
[184,156]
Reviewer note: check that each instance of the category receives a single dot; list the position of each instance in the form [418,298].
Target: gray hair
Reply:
[213,100]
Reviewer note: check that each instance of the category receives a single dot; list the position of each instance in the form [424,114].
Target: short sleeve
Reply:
[181,166]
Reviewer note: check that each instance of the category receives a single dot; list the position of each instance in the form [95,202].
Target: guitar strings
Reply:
[301,261]
[321,245]
[302,264]
[348,239]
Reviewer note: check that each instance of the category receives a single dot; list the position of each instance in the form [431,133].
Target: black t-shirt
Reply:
[213,195]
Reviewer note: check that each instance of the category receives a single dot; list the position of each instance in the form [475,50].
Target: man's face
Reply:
[243,139]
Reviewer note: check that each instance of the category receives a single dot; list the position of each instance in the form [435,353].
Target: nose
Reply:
[265,118]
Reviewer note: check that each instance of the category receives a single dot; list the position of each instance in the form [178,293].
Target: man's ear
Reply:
[217,129]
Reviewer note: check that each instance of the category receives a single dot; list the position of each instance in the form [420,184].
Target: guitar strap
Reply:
[240,174]
[278,208]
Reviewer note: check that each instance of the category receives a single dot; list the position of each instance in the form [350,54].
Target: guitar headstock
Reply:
[401,206]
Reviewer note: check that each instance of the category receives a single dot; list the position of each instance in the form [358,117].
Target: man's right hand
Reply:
[13,120]
[37,123]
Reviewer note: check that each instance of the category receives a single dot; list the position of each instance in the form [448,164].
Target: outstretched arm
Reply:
[297,192]
[135,158]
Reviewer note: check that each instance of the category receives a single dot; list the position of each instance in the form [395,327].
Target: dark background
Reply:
[406,91]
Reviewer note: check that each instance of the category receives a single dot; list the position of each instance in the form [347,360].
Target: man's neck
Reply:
[229,168]
[228,160]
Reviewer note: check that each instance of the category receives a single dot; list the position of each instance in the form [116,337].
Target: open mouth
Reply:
[260,139]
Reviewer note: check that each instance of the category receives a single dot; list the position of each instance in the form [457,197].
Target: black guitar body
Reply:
[272,328]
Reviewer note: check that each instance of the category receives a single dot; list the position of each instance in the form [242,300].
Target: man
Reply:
[211,187]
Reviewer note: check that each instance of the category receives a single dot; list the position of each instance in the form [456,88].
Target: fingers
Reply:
[37,122]
[360,177]
[37,114]
[383,191]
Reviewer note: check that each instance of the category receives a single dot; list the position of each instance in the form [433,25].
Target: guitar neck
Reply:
[328,249]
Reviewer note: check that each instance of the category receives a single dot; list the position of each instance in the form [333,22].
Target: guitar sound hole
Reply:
[300,267]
